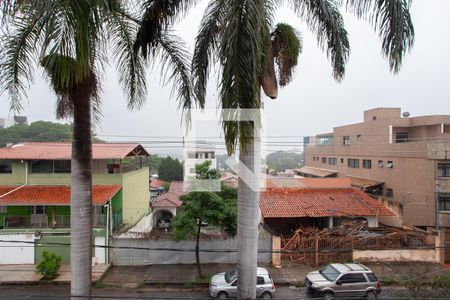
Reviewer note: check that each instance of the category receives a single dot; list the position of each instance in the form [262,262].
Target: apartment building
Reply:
[404,160]
[198,153]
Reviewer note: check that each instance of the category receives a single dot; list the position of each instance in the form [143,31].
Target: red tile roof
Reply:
[63,151]
[298,203]
[178,188]
[6,189]
[55,195]
[156,183]
[324,183]
[167,200]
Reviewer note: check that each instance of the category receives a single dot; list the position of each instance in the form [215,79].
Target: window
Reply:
[260,280]
[390,164]
[401,137]
[212,155]
[353,163]
[3,210]
[352,278]
[444,202]
[332,161]
[389,193]
[5,166]
[62,166]
[358,137]
[346,140]
[443,170]
[42,166]
[367,164]
[372,277]
[380,164]
[37,210]
[342,160]
[324,160]
[374,118]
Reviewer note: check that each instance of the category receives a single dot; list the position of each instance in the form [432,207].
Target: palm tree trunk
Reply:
[197,250]
[247,230]
[81,202]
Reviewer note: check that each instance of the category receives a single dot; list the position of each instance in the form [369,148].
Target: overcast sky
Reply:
[313,102]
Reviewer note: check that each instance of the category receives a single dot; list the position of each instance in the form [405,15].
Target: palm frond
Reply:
[392,21]
[206,47]
[325,20]
[287,46]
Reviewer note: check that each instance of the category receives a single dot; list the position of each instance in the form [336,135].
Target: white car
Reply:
[224,285]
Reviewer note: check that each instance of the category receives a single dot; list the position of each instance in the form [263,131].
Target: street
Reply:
[62,292]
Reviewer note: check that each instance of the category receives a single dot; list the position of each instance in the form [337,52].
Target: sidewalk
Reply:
[26,274]
[289,274]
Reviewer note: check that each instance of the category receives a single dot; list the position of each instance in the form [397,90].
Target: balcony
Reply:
[60,221]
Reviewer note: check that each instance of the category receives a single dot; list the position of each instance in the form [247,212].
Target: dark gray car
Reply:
[343,280]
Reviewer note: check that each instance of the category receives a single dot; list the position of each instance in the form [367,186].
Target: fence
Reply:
[155,252]
[324,249]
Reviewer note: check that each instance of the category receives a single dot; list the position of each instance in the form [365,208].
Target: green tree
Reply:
[153,163]
[39,131]
[170,169]
[205,208]
[280,161]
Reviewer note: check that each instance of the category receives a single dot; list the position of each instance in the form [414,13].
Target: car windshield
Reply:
[329,273]
[230,276]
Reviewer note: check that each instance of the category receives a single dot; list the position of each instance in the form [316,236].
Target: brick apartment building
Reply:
[404,160]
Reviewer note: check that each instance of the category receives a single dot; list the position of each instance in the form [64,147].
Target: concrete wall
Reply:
[136,195]
[16,253]
[426,255]
[184,253]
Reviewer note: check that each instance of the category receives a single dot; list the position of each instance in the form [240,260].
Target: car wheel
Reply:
[266,295]
[371,296]
[222,295]
[328,296]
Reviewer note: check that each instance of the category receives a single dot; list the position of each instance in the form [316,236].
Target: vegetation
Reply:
[49,266]
[205,208]
[280,161]
[39,131]
[170,169]
[153,163]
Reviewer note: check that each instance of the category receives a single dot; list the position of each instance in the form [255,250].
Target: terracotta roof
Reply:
[156,183]
[178,188]
[167,200]
[55,195]
[63,151]
[325,183]
[364,182]
[6,189]
[318,172]
[298,203]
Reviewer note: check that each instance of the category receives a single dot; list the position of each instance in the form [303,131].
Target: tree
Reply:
[153,163]
[280,161]
[201,208]
[242,37]
[170,169]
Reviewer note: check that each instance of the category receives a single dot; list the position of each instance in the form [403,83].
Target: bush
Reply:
[442,281]
[49,266]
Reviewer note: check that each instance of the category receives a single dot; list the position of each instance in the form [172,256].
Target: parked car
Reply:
[343,280]
[224,285]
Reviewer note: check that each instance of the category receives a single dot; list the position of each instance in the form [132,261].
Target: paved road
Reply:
[50,292]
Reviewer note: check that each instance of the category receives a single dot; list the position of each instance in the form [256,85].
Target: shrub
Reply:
[49,266]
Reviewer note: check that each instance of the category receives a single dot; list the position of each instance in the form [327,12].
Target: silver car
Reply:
[343,280]
[224,285]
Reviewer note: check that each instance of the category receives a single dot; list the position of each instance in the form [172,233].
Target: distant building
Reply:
[196,154]
[405,161]
[16,120]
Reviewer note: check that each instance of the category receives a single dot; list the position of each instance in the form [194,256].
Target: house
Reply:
[35,187]
[157,187]
[230,179]
[164,209]
[402,159]
[285,209]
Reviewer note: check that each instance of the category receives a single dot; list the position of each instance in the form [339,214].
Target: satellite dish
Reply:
[405,114]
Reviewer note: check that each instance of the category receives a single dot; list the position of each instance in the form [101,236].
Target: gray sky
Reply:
[313,102]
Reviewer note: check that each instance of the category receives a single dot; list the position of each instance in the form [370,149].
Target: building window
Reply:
[353,163]
[401,137]
[374,118]
[389,193]
[5,166]
[42,166]
[62,166]
[324,160]
[367,164]
[390,164]
[358,137]
[3,210]
[212,155]
[346,140]
[37,210]
[332,161]
[380,164]
[444,202]
[443,170]
[342,160]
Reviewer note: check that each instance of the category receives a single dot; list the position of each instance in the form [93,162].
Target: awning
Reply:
[316,172]
[55,195]
[364,183]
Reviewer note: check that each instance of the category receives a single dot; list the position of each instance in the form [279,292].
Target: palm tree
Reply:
[70,39]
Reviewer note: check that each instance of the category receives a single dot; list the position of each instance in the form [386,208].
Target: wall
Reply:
[130,257]
[17,253]
[426,255]
[136,195]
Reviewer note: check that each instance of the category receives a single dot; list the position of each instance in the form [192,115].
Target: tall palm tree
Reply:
[242,37]
[70,40]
